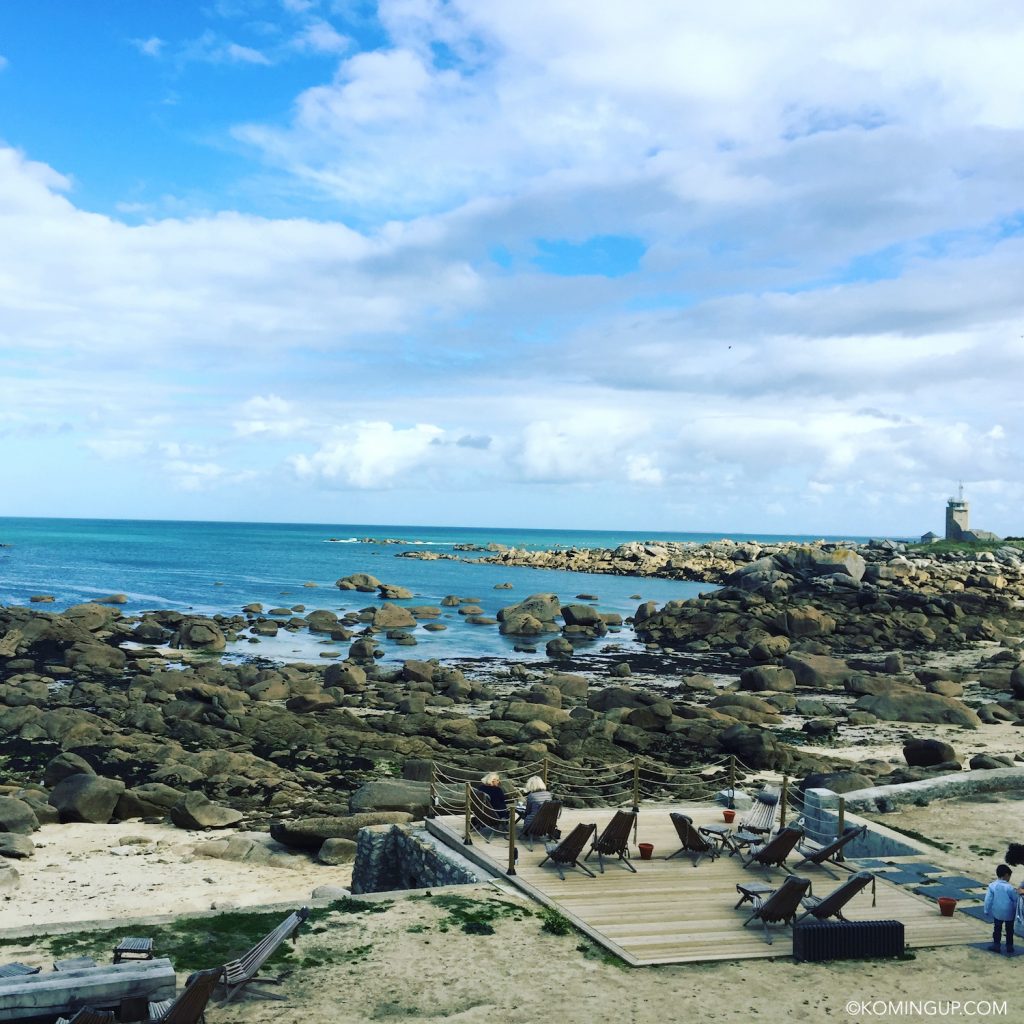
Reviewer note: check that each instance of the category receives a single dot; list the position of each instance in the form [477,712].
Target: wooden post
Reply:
[636,796]
[841,825]
[783,799]
[511,842]
[732,780]
[544,772]
[466,840]
[432,809]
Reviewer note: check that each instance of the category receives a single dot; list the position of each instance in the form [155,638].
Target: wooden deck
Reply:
[671,912]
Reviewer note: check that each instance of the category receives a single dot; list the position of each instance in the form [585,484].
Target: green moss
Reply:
[555,923]
[197,943]
[477,917]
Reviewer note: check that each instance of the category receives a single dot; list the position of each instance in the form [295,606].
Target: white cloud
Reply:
[151,47]
[371,455]
[320,37]
[269,416]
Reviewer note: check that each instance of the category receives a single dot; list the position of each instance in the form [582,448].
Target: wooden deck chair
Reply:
[781,905]
[87,1015]
[614,840]
[544,823]
[762,814]
[17,970]
[486,820]
[822,855]
[568,851]
[773,854]
[693,841]
[832,905]
[190,1006]
[243,971]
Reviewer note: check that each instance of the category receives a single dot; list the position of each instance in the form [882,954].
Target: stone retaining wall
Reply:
[407,857]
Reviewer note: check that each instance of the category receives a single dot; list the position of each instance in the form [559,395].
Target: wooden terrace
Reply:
[672,912]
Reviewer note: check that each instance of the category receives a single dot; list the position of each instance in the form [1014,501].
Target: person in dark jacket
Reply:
[489,787]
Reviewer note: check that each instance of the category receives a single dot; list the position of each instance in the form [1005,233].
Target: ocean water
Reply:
[208,568]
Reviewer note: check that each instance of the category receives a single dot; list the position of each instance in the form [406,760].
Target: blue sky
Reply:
[538,264]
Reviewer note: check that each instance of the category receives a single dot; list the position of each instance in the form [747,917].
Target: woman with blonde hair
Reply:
[536,794]
[490,788]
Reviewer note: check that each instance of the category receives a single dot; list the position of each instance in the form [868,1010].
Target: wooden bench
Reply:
[133,948]
[61,993]
[239,973]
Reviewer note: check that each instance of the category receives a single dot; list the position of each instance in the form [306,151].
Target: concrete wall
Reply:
[407,857]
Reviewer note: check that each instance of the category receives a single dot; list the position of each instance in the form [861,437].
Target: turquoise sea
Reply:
[219,567]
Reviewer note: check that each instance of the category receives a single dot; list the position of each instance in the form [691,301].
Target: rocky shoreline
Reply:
[106,716]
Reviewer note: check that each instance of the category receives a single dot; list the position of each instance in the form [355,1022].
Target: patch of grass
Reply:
[197,943]
[477,917]
[554,922]
[417,929]
[981,851]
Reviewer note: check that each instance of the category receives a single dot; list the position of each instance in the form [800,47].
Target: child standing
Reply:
[1001,905]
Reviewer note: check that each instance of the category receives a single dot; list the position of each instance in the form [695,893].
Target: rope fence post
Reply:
[732,780]
[544,772]
[841,824]
[511,843]
[466,840]
[783,800]
[636,797]
[431,810]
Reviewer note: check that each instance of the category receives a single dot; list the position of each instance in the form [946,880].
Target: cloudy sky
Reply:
[639,265]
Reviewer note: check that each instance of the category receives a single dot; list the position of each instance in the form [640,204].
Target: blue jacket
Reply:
[1001,901]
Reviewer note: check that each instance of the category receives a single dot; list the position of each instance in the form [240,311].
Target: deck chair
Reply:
[762,814]
[773,854]
[824,907]
[87,1015]
[17,970]
[693,840]
[243,971]
[544,823]
[781,905]
[568,851]
[821,855]
[190,1006]
[485,818]
[614,840]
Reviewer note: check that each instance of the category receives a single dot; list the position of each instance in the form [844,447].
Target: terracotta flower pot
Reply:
[946,906]
[646,850]
[728,815]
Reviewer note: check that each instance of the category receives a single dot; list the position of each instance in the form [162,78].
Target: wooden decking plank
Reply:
[672,912]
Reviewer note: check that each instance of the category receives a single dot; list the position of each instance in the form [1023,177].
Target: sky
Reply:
[627,265]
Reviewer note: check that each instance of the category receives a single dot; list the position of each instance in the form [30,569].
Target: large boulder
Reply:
[536,614]
[196,810]
[927,753]
[310,833]
[582,615]
[392,616]
[838,782]
[337,851]
[64,765]
[95,657]
[360,581]
[820,671]
[198,633]
[322,621]
[89,798]
[15,846]
[816,561]
[391,795]
[17,816]
[804,620]
[92,616]
[912,706]
[767,677]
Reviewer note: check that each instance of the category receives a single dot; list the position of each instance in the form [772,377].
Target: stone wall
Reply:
[390,857]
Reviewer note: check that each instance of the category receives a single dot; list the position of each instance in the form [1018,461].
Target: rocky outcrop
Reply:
[89,798]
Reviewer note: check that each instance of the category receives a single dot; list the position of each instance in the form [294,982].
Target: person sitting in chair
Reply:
[489,787]
[536,794]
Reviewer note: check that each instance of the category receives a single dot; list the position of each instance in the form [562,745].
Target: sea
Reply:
[207,568]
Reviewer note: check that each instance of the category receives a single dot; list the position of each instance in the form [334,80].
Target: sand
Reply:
[75,876]
[400,965]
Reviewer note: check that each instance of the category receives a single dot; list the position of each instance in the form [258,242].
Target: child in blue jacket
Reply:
[1001,905]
